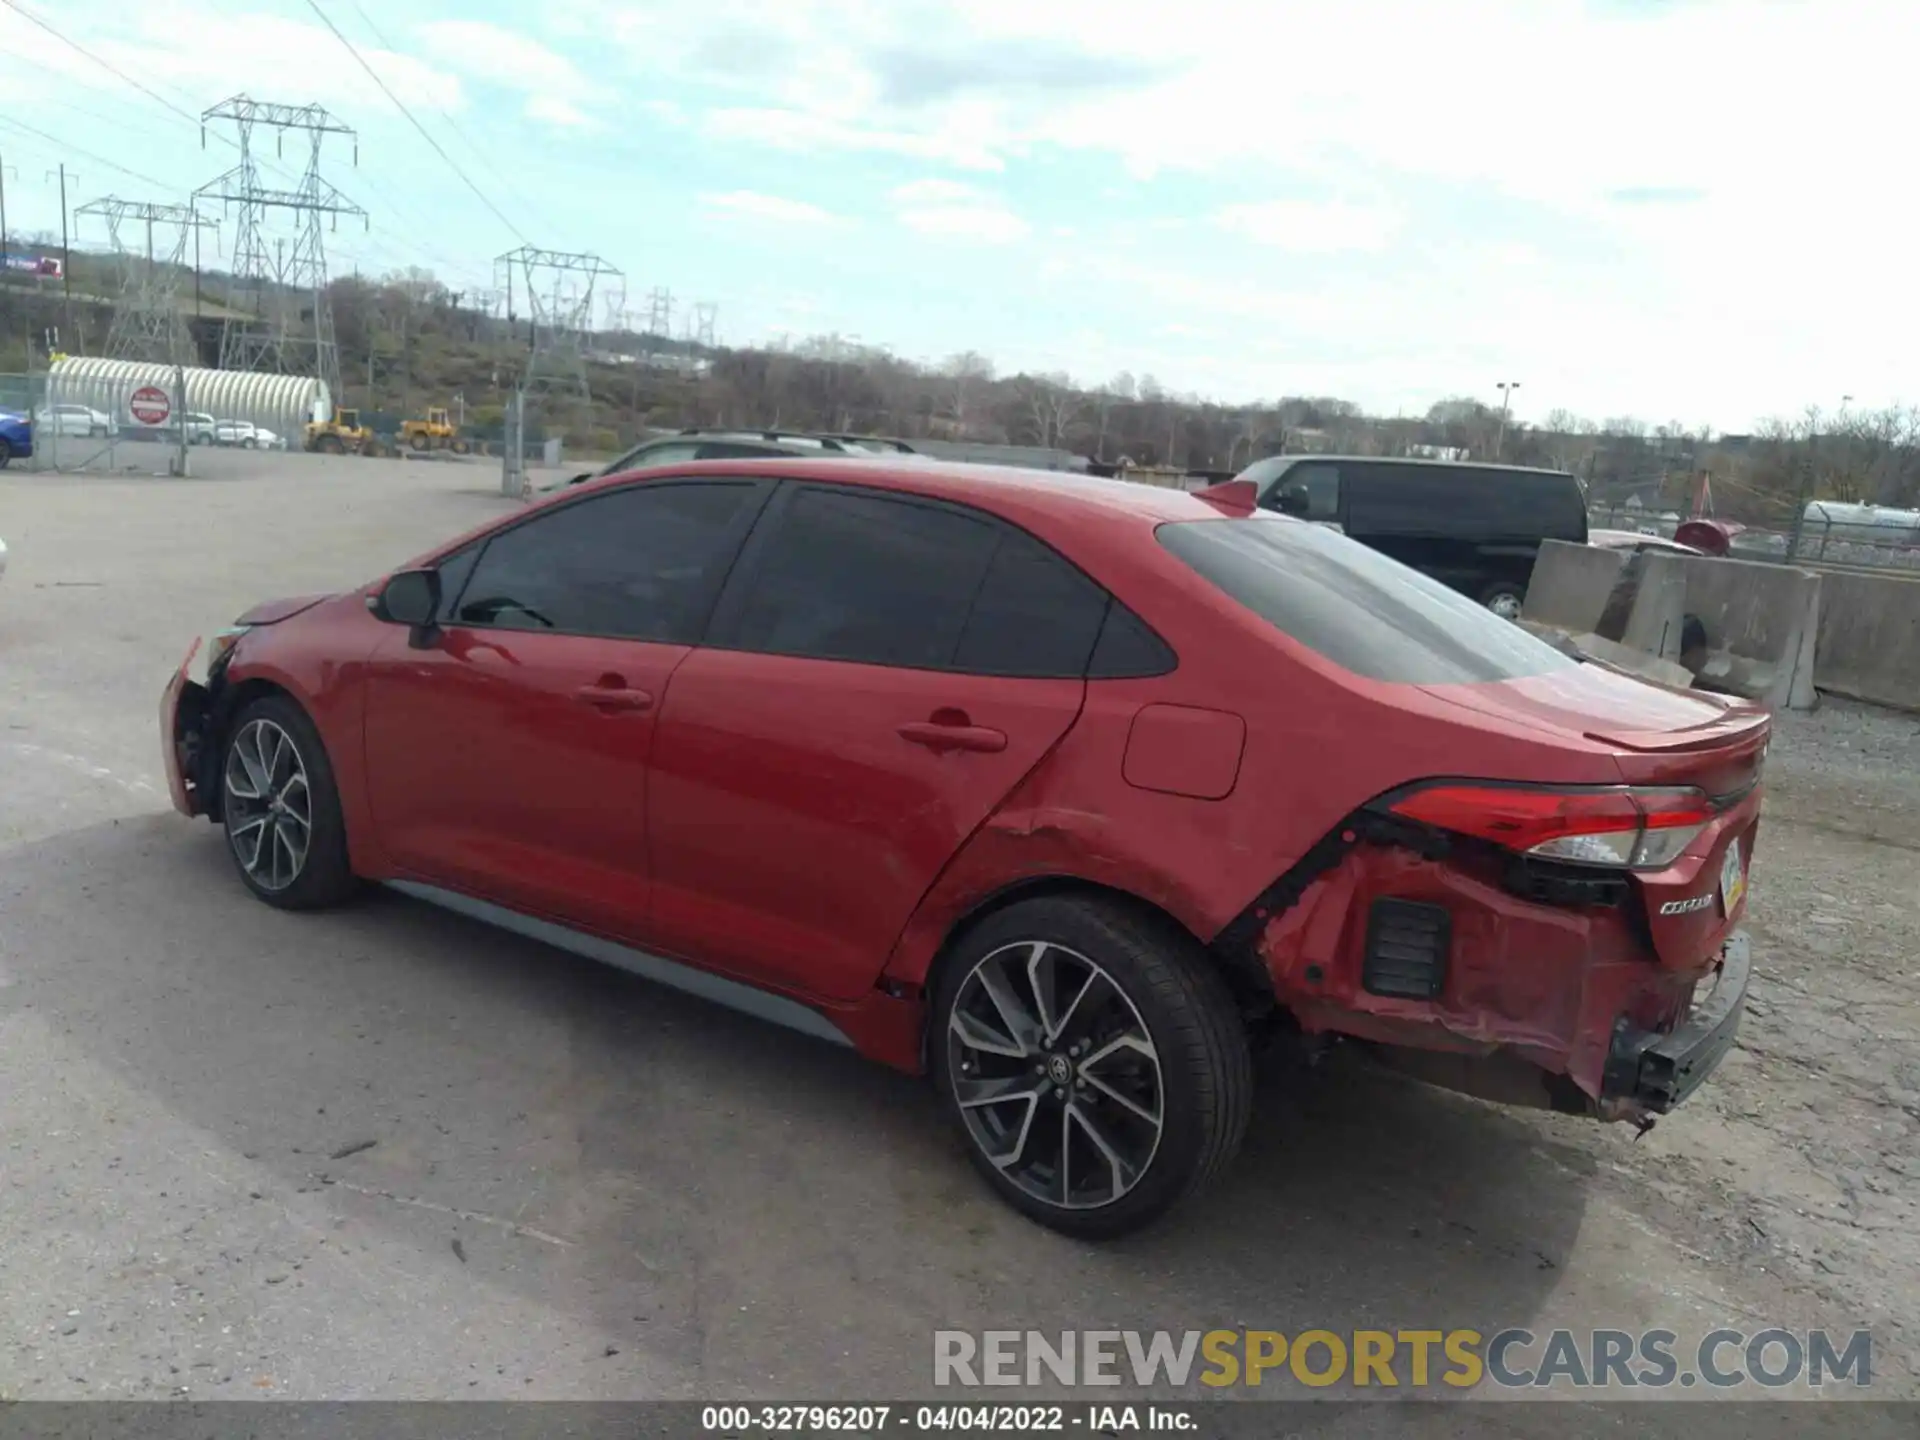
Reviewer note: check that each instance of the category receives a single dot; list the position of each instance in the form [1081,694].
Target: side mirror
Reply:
[1292,501]
[412,598]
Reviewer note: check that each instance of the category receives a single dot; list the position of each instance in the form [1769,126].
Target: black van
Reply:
[1474,527]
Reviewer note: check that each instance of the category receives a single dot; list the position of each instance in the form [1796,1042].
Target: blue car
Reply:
[16,437]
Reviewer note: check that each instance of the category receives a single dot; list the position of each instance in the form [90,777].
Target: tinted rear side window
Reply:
[1035,614]
[866,578]
[1463,500]
[852,575]
[1366,613]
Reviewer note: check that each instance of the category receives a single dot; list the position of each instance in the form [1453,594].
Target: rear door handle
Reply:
[614,697]
[938,737]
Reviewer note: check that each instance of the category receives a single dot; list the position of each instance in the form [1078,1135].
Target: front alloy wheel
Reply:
[268,805]
[1094,1059]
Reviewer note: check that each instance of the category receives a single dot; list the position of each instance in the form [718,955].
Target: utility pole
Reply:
[1506,389]
[66,263]
[5,248]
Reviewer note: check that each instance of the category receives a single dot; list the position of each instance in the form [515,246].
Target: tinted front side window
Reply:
[1315,485]
[640,563]
[1366,613]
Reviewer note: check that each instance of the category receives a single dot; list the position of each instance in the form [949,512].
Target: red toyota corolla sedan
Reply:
[1063,790]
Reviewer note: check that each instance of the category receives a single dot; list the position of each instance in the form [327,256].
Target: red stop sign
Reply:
[150,405]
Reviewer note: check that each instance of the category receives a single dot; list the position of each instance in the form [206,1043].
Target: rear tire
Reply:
[1093,1060]
[280,808]
[1505,599]
[420,442]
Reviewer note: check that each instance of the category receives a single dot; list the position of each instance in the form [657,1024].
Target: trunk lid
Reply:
[1659,736]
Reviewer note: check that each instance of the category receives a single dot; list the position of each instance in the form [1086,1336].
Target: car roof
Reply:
[1057,494]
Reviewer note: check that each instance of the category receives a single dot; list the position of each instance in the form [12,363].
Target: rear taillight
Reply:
[1637,829]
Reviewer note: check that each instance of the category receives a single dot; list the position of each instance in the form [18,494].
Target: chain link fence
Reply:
[96,428]
[1829,535]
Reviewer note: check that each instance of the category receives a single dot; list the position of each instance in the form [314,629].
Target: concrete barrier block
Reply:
[1762,627]
[1571,584]
[1869,638]
[1655,624]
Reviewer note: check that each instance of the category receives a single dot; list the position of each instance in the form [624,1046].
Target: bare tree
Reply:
[965,374]
[1053,403]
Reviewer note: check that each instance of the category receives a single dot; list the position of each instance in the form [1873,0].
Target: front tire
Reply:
[6,454]
[280,808]
[1093,1059]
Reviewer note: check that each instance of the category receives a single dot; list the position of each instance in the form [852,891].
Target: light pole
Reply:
[1506,389]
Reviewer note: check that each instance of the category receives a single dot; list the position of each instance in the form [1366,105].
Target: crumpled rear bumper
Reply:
[1654,1072]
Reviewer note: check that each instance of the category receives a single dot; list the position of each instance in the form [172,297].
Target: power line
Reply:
[75,45]
[66,147]
[425,135]
[445,114]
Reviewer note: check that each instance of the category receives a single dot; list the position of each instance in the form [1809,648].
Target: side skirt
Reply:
[761,1004]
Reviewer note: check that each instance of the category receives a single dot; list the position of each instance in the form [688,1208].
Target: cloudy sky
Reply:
[1678,209]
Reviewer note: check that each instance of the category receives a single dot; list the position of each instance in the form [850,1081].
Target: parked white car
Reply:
[3,557]
[246,435]
[199,428]
[72,420]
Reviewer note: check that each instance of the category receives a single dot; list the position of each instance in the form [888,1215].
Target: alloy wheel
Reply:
[1055,1075]
[268,805]
[1506,606]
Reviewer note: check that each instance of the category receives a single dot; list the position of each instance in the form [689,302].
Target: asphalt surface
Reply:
[386,1152]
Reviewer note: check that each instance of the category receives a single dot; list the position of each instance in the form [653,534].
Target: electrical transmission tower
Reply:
[706,316]
[292,330]
[558,288]
[614,308]
[147,323]
[659,315]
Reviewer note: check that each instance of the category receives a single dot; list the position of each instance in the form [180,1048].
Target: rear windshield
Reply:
[1366,613]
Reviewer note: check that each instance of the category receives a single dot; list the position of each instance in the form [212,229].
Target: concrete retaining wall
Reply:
[1870,638]
[1571,584]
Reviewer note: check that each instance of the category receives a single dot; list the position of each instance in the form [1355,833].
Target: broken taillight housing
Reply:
[1644,828]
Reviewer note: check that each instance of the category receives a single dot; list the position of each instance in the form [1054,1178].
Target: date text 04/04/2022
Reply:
[977,1419]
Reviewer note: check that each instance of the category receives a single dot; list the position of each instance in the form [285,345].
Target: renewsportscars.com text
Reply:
[1766,1359]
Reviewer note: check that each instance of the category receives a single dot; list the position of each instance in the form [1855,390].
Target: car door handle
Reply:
[936,736]
[614,697]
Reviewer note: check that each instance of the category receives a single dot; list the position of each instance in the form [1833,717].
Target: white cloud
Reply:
[803,131]
[957,212]
[1310,227]
[553,85]
[753,204]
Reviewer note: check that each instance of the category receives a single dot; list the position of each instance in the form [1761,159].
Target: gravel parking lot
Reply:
[389,1153]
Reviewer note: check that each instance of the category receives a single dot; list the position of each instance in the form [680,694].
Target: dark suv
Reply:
[1474,527]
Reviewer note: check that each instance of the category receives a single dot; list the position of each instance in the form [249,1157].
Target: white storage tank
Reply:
[283,404]
[1867,524]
